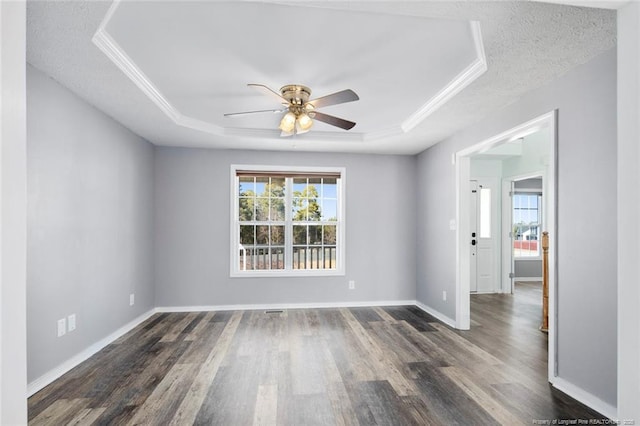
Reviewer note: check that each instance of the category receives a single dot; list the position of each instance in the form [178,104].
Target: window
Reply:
[527,220]
[287,222]
[485,213]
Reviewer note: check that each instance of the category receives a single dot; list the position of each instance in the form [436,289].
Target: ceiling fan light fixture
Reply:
[302,112]
[288,122]
[300,130]
[304,122]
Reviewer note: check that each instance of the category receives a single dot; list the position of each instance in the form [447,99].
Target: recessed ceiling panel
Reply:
[197,58]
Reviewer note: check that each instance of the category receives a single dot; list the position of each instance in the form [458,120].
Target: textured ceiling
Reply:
[526,44]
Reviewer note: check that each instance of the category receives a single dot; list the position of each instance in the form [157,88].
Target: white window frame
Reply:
[538,193]
[235,270]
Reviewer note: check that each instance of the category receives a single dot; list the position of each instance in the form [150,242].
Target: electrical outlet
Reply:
[352,285]
[62,327]
[444,295]
[132,299]
[71,321]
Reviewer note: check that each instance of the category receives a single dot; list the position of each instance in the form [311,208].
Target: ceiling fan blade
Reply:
[341,97]
[269,92]
[235,114]
[334,121]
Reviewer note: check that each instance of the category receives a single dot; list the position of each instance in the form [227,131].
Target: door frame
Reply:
[463,175]
[473,212]
[507,223]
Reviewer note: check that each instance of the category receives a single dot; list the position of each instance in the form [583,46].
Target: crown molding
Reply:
[103,40]
[118,56]
[462,80]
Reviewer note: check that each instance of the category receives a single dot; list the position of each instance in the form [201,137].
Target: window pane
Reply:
[300,257]
[330,188]
[262,235]
[245,209]
[329,257]
[299,185]
[277,209]
[262,209]
[526,224]
[306,204]
[300,207]
[277,257]
[261,258]
[329,234]
[313,209]
[261,186]
[246,186]
[247,235]
[329,210]
[277,235]
[300,234]
[485,213]
[276,187]
[315,234]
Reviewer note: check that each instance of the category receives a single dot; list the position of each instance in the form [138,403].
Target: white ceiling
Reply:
[169,70]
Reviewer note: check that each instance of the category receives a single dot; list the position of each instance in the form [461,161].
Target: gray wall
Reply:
[192,230]
[528,268]
[529,184]
[586,100]
[90,223]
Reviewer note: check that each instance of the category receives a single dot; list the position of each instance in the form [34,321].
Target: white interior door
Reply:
[473,237]
[486,246]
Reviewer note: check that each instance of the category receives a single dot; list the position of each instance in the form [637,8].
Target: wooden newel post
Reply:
[545,282]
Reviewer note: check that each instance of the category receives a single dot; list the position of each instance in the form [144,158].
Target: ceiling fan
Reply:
[300,111]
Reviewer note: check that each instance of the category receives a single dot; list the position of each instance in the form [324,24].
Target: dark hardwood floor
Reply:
[385,366]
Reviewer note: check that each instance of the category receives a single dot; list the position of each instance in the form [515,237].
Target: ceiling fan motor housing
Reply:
[296,94]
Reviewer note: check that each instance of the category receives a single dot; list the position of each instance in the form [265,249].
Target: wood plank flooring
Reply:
[355,366]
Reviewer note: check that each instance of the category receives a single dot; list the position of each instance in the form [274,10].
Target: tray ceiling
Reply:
[169,70]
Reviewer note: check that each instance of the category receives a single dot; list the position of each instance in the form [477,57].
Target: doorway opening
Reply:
[524,219]
[496,165]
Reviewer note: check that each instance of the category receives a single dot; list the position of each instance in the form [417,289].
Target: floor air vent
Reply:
[273,311]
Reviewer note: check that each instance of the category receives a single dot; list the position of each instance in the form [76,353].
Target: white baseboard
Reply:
[72,362]
[442,317]
[253,307]
[586,398]
[527,279]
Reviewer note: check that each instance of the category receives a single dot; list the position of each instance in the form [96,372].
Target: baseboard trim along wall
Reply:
[442,317]
[586,398]
[74,361]
[254,307]
[527,279]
